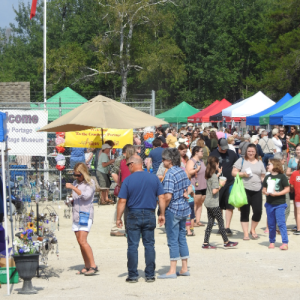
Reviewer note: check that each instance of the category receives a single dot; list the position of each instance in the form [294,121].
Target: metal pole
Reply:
[5,214]
[45,51]
[153,103]
[10,204]
[60,184]
[46,163]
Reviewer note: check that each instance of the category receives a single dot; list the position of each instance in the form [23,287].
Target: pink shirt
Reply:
[220,134]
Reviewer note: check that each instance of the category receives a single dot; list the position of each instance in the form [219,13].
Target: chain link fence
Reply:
[32,159]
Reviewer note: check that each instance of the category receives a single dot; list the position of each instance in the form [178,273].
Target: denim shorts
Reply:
[191,204]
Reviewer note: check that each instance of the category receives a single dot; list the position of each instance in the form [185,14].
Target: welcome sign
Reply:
[23,138]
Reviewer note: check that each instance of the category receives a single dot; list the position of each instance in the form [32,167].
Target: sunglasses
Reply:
[76,175]
[129,164]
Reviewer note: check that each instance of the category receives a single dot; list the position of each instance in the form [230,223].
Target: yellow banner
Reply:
[92,138]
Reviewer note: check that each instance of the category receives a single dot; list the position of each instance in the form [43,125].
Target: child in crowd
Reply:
[212,203]
[295,185]
[276,204]
[190,220]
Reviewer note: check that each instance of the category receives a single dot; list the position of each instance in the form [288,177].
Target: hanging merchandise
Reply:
[148,139]
[60,159]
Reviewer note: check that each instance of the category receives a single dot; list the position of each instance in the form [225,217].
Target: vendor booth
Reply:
[178,114]
[265,119]
[61,103]
[286,115]
[254,119]
[216,109]
[249,106]
[219,118]
[196,117]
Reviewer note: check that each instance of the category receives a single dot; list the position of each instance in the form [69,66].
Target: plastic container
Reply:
[14,279]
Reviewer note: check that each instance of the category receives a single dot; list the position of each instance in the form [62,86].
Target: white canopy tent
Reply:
[249,106]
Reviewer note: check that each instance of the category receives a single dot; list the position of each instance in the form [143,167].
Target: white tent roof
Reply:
[249,106]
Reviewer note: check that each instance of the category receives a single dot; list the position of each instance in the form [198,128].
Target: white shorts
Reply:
[77,227]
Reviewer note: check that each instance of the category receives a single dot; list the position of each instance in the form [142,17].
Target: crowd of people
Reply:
[185,172]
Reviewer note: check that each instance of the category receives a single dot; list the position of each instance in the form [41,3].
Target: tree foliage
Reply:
[186,50]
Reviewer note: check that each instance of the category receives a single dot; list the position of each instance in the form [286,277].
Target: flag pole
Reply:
[45,57]
[46,163]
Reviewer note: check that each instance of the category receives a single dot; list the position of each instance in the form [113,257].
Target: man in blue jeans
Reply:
[139,193]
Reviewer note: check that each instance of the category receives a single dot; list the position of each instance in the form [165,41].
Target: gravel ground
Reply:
[251,271]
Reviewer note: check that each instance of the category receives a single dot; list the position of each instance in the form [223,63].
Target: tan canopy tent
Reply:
[102,112]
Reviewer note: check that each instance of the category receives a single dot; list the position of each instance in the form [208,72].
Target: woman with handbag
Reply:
[252,172]
[83,190]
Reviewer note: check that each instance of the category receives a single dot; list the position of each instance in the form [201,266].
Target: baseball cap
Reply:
[223,144]
[106,146]
[183,132]
[190,125]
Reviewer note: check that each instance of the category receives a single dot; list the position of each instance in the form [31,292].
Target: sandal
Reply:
[199,225]
[81,271]
[271,246]
[94,271]
[254,236]
[192,234]
[246,238]
[284,247]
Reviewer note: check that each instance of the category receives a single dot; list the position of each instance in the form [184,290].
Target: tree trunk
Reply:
[124,86]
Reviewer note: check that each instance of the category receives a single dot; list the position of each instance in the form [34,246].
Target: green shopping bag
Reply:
[238,197]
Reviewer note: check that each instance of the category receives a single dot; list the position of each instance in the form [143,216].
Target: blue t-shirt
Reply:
[292,164]
[141,189]
[77,154]
[156,156]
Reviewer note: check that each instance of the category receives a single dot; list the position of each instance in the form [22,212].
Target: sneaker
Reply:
[228,232]
[116,233]
[297,232]
[131,280]
[295,228]
[230,244]
[150,279]
[208,246]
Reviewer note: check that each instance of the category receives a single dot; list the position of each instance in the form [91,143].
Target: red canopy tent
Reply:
[196,117]
[215,110]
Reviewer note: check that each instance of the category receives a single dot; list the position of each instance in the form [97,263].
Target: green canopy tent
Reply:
[67,96]
[178,114]
[265,119]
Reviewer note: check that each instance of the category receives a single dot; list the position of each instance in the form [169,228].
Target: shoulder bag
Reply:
[83,216]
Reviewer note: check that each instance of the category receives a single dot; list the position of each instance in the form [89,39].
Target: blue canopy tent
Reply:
[290,113]
[254,119]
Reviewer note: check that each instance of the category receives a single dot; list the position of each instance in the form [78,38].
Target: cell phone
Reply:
[197,164]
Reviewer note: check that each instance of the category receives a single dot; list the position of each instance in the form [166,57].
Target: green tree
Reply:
[278,71]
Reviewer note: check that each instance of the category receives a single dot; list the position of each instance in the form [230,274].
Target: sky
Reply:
[7,15]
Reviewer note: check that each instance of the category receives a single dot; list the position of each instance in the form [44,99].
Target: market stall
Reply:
[249,106]
[219,118]
[286,116]
[205,118]
[265,119]
[61,103]
[196,117]
[178,114]
[254,119]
